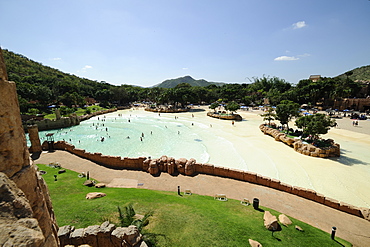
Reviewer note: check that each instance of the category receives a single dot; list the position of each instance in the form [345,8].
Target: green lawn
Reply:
[79,111]
[184,221]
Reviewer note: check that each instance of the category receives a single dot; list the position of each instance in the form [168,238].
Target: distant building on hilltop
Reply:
[314,78]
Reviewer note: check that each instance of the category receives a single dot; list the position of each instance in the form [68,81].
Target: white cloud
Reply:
[56,59]
[185,68]
[286,58]
[84,69]
[299,25]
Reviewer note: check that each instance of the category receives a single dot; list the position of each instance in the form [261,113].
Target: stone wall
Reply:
[191,168]
[16,165]
[104,235]
[299,146]
[357,104]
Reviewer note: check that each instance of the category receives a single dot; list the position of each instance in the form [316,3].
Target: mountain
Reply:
[361,74]
[171,83]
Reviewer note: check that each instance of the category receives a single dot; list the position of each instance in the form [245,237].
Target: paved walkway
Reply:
[351,228]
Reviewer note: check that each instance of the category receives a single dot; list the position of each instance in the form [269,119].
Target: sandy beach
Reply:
[243,146]
[346,178]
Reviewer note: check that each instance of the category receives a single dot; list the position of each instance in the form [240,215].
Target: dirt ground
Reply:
[351,228]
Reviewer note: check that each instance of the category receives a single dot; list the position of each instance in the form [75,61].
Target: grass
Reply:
[194,220]
[79,111]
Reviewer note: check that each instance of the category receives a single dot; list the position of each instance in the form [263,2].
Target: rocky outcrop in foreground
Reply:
[27,216]
[104,235]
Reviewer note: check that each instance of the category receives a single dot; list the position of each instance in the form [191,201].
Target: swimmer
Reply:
[141,139]
[127,137]
[151,132]
[142,134]
[178,132]
[192,124]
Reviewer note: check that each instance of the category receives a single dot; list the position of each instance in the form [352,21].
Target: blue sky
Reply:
[144,42]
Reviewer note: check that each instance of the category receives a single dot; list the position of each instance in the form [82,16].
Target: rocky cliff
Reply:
[27,217]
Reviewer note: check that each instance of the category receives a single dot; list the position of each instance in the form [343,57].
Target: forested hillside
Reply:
[36,82]
[171,83]
[361,74]
[39,86]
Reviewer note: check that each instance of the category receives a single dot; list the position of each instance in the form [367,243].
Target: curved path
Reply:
[351,228]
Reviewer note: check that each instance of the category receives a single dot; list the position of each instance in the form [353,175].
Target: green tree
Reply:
[269,115]
[315,125]
[232,106]
[214,105]
[285,111]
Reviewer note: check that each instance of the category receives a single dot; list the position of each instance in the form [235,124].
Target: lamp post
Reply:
[333,230]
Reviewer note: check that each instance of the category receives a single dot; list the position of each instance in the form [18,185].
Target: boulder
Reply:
[254,243]
[91,235]
[171,167]
[189,167]
[365,213]
[125,236]
[298,228]
[88,183]
[270,221]
[100,185]
[284,220]
[77,236]
[64,233]
[94,195]
[153,168]
[180,164]
[104,234]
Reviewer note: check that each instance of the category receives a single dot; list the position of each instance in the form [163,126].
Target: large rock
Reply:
[33,135]
[89,183]
[18,227]
[254,243]
[126,236]
[190,167]
[15,161]
[91,235]
[94,195]
[284,220]
[180,165]
[14,153]
[270,221]
[64,234]
[104,234]
[153,168]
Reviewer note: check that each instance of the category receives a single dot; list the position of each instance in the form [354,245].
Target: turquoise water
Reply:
[131,134]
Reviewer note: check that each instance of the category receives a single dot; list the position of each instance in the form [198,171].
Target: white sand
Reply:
[346,178]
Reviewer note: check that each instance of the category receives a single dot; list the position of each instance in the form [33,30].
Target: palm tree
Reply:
[127,218]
